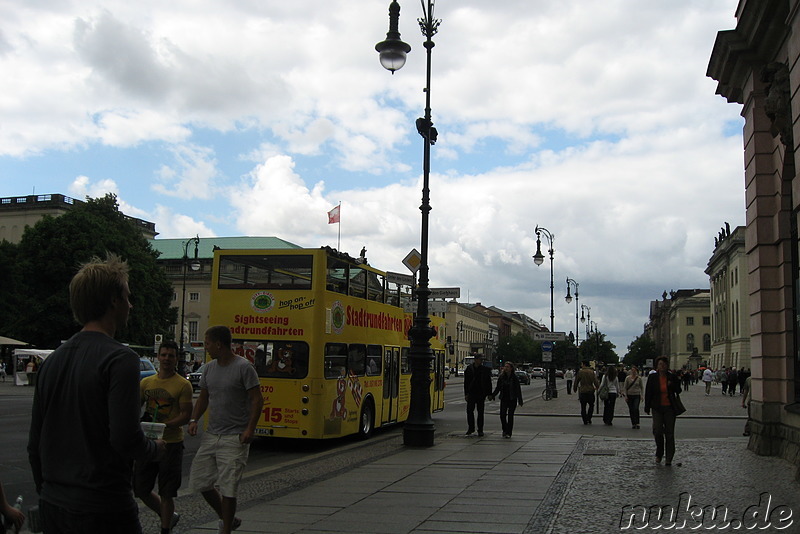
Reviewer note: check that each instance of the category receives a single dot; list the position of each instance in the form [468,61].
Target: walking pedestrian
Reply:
[477,386]
[230,389]
[659,396]
[632,389]
[708,377]
[611,383]
[510,391]
[586,384]
[85,428]
[742,376]
[722,378]
[167,397]
[9,515]
[746,398]
[733,381]
[569,376]
[3,370]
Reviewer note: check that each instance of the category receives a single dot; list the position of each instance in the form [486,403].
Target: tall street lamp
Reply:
[568,298]
[538,259]
[419,429]
[195,266]
[584,318]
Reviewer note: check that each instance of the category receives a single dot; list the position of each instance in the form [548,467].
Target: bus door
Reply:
[391,384]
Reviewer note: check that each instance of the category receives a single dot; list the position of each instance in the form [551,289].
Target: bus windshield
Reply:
[265,272]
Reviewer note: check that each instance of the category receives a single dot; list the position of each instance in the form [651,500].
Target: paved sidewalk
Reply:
[549,483]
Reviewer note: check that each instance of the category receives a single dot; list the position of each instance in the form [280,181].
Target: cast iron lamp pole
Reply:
[588,315]
[538,259]
[195,266]
[419,429]
[568,298]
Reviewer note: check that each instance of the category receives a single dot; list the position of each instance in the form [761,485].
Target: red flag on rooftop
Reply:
[333,215]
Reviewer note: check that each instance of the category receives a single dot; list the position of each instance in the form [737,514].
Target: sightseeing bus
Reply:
[327,335]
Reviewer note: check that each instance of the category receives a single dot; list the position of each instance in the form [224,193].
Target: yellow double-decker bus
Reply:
[328,337]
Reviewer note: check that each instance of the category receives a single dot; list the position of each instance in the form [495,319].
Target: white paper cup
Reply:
[153,430]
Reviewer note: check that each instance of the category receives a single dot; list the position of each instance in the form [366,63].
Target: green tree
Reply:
[641,349]
[597,348]
[518,348]
[51,252]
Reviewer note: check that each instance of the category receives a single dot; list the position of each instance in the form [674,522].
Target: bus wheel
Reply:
[367,420]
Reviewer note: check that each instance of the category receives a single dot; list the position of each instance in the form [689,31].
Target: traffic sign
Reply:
[547,357]
[549,336]
[444,292]
[400,279]
[413,260]
[547,346]
[438,306]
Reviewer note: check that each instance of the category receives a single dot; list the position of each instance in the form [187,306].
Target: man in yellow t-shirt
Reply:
[167,397]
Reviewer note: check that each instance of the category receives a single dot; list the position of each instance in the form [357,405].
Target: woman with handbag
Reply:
[609,390]
[632,391]
[662,396]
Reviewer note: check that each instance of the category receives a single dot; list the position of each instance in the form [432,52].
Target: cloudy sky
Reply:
[594,120]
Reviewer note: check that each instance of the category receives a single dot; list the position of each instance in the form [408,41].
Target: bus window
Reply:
[265,272]
[335,360]
[404,361]
[357,359]
[283,359]
[358,277]
[337,275]
[374,364]
[374,286]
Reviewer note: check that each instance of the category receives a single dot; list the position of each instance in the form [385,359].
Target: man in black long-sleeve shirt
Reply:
[477,386]
[85,430]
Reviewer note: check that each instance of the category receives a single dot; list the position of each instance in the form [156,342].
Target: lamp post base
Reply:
[418,434]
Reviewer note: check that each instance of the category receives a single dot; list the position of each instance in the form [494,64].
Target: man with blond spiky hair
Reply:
[85,430]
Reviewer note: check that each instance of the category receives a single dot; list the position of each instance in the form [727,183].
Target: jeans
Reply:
[507,409]
[633,407]
[664,431]
[587,400]
[608,408]
[708,387]
[57,520]
[472,404]
[569,387]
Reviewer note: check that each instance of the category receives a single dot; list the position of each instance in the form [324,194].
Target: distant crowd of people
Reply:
[658,393]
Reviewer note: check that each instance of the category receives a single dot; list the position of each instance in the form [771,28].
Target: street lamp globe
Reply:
[393,50]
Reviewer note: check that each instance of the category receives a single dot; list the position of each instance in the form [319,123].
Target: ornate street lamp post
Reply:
[195,266]
[584,318]
[538,259]
[419,429]
[568,298]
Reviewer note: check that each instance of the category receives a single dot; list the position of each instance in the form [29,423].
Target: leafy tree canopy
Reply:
[49,255]
[599,349]
[642,348]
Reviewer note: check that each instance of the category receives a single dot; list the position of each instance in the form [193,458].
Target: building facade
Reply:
[680,325]
[756,66]
[17,213]
[468,332]
[730,317]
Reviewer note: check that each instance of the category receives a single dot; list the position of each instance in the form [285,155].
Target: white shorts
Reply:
[220,460]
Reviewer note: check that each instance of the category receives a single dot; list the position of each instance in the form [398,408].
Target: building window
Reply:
[689,342]
[194,297]
[689,321]
[706,320]
[192,330]
[706,342]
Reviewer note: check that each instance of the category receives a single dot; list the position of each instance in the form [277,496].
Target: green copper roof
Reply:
[172,249]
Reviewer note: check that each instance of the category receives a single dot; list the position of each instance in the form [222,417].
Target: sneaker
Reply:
[469,432]
[480,433]
[236,524]
[175,518]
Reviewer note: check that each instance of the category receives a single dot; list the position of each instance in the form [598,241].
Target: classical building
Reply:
[730,313]
[680,325]
[190,276]
[756,66]
[468,332]
[16,213]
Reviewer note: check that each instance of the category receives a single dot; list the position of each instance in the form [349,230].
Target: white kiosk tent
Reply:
[21,359]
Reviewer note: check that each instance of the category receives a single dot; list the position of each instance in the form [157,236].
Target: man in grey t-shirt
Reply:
[230,388]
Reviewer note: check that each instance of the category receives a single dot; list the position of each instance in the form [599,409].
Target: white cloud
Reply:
[592,119]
